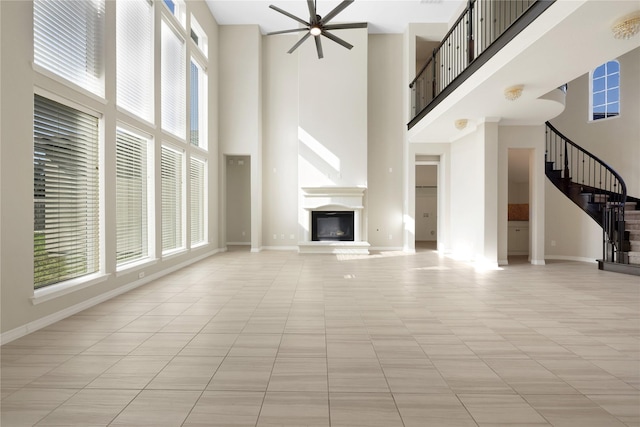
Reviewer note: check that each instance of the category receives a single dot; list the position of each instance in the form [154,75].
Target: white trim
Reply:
[256,250]
[64,288]
[134,266]
[43,322]
[503,262]
[39,69]
[280,248]
[568,258]
[238,243]
[387,248]
[537,262]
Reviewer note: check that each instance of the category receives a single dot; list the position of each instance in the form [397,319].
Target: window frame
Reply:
[605,91]
[203,201]
[148,186]
[52,290]
[180,216]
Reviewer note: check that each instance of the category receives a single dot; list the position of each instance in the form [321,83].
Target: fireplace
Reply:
[332,221]
[332,226]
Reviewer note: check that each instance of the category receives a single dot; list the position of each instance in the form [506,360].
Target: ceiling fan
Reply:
[319,26]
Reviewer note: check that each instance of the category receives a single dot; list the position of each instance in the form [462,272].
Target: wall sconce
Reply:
[514,92]
[627,27]
[461,124]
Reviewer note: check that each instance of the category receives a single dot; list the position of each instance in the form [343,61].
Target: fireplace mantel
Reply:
[333,198]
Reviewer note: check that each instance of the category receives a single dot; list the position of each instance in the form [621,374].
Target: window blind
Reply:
[197,204]
[134,57]
[172,200]
[66,193]
[131,197]
[173,82]
[68,40]
[198,105]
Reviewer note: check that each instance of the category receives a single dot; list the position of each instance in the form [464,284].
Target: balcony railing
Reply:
[480,32]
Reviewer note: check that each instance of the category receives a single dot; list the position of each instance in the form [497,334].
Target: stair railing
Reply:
[483,28]
[578,166]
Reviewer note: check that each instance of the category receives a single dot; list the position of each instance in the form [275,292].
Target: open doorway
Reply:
[238,202]
[426,214]
[518,231]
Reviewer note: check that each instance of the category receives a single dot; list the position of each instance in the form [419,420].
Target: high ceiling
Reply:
[383,16]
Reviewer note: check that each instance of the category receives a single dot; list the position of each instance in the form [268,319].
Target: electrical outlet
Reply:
[553,243]
[141,275]
[390,237]
[275,237]
[292,236]
[282,237]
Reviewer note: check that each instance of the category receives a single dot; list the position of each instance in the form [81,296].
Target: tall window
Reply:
[68,40]
[173,82]
[605,91]
[134,54]
[198,104]
[172,200]
[132,189]
[66,193]
[198,200]
[199,37]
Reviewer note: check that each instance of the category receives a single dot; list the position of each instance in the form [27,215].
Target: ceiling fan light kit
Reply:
[318,26]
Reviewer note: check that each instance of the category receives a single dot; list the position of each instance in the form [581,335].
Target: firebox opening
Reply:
[332,226]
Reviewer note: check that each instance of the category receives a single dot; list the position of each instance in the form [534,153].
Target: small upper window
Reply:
[198,36]
[177,9]
[605,91]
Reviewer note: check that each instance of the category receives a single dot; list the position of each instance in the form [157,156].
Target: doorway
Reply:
[518,231]
[238,201]
[426,211]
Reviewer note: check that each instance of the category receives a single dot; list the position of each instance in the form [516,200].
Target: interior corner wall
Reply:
[280,143]
[385,134]
[240,132]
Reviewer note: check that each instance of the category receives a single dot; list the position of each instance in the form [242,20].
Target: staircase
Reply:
[599,191]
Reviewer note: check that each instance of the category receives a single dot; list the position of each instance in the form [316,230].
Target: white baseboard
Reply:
[43,322]
[280,248]
[571,258]
[238,243]
[387,248]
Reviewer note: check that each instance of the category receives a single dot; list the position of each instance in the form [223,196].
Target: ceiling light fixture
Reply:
[461,124]
[514,92]
[627,27]
[315,31]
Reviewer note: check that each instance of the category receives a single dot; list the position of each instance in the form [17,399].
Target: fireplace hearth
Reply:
[332,226]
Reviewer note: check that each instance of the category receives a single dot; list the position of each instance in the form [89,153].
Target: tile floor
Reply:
[390,339]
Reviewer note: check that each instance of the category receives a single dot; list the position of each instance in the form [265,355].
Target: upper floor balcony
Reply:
[536,45]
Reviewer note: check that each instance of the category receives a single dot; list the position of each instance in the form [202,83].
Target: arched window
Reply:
[605,91]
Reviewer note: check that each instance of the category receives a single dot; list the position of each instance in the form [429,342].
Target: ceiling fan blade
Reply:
[312,12]
[346,26]
[319,47]
[285,13]
[295,46]
[295,30]
[337,39]
[339,8]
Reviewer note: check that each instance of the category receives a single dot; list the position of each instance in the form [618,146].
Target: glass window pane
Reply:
[598,99]
[599,72]
[598,84]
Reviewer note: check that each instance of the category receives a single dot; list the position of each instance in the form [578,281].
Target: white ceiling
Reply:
[383,16]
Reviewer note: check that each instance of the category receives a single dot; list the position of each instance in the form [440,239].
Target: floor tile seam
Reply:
[497,394]
[637,396]
[78,390]
[527,396]
[29,384]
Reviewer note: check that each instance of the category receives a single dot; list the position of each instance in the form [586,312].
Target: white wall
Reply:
[385,137]
[240,69]
[280,143]
[18,81]
[332,121]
